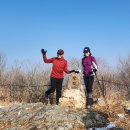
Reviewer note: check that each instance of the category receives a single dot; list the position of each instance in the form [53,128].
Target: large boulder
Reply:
[36,116]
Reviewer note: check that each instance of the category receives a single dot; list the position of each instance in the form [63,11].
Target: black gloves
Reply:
[43,52]
[72,71]
[94,70]
[77,72]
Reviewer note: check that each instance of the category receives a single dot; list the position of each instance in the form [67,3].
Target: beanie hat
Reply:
[60,52]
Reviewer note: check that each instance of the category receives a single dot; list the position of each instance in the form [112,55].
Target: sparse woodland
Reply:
[26,81]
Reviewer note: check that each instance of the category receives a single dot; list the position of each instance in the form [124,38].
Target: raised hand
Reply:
[43,51]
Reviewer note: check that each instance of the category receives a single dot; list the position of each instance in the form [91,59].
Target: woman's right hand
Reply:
[43,51]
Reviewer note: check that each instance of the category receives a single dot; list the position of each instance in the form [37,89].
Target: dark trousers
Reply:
[88,81]
[56,84]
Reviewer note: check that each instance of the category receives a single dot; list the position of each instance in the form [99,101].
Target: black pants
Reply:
[56,84]
[88,81]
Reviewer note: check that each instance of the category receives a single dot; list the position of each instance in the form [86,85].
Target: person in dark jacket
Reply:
[89,69]
[59,67]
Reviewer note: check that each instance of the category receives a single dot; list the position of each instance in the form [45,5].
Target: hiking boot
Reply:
[89,101]
[44,99]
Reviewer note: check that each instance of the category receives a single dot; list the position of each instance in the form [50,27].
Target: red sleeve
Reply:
[66,68]
[47,60]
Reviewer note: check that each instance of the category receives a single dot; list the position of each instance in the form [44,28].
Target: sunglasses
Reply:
[59,53]
[86,51]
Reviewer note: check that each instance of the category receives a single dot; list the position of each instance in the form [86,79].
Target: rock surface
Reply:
[36,116]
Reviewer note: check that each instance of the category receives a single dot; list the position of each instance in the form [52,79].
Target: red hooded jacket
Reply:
[59,66]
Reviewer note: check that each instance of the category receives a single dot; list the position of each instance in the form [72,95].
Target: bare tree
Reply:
[2,65]
[124,75]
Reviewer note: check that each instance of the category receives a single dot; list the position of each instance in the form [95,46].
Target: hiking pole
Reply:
[101,89]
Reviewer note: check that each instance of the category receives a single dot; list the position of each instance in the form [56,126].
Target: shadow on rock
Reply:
[98,121]
[95,119]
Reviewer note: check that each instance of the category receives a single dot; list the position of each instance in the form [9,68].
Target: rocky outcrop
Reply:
[73,95]
[36,116]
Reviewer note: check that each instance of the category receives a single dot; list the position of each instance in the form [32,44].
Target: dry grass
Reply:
[7,103]
[115,113]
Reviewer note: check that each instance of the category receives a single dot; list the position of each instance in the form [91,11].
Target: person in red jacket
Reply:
[59,67]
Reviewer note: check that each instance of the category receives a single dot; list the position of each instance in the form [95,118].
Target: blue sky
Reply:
[26,26]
